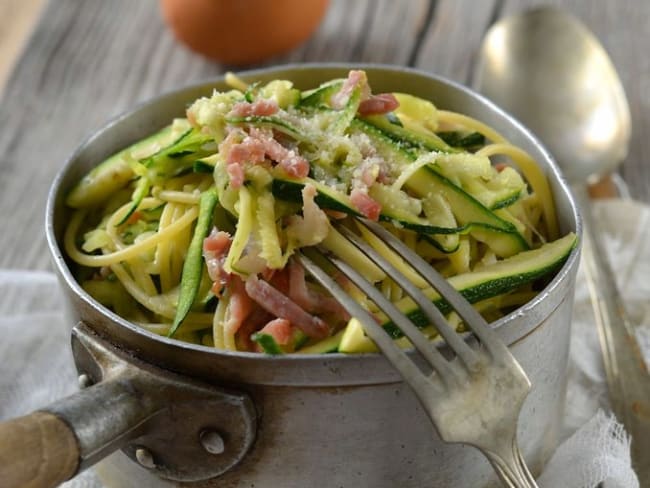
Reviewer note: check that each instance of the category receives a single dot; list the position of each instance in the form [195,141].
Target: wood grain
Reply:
[88,61]
[17,18]
[37,451]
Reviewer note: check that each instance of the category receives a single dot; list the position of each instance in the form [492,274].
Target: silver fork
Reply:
[475,398]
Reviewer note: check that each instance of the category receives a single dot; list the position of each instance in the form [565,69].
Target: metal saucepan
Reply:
[191,415]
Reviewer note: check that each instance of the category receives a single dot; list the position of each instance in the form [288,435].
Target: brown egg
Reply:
[242,32]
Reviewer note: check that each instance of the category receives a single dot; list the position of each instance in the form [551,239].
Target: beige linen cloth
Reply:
[37,366]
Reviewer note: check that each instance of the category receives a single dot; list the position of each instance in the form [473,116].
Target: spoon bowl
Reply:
[547,69]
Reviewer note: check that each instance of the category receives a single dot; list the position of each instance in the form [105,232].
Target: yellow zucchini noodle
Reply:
[190,232]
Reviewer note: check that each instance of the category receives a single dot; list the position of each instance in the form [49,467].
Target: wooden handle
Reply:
[37,451]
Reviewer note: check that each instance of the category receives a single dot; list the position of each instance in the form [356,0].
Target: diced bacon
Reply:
[258,108]
[254,148]
[378,104]
[311,301]
[283,307]
[240,305]
[279,279]
[233,137]
[295,165]
[254,322]
[288,159]
[250,150]
[218,242]
[236,174]
[298,290]
[215,249]
[355,79]
[280,330]
[366,205]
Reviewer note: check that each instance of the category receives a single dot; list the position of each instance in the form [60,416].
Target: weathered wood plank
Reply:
[370,31]
[453,37]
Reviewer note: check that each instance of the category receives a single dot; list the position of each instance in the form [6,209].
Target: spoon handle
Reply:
[627,376]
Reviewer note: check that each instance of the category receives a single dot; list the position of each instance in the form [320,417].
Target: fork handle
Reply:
[511,467]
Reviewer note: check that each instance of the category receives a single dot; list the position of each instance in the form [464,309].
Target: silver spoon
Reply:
[549,71]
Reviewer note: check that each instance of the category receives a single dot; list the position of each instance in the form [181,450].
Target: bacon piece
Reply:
[355,79]
[378,104]
[215,249]
[279,279]
[280,330]
[288,159]
[298,290]
[239,307]
[366,205]
[236,152]
[217,242]
[254,322]
[281,306]
[311,301]
[233,137]
[236,174]
[254,148]
[258,108]
[250,150]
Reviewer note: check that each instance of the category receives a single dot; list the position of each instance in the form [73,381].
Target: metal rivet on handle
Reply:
[212,442]
[84,381]
[145,458]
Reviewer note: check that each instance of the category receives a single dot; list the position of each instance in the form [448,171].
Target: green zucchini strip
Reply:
[267,343]
[141,190]
[193,266]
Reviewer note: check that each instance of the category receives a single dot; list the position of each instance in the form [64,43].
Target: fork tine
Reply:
[465,310]
[408,369]
[423,345]
[453,339]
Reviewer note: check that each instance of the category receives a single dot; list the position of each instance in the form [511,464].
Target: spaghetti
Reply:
[190,233]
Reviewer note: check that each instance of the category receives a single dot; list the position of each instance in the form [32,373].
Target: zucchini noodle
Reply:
[190,232]
[535,177]
[469,123]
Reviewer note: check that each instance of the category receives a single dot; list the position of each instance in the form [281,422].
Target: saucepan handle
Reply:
[173,426]
[49,446]
[37,450]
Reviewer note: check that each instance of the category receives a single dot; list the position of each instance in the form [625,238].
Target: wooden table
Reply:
[87,61]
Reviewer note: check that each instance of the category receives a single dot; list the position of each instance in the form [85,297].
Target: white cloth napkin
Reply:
[37,366]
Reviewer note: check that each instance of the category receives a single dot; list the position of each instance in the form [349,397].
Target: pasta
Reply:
[190,233]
